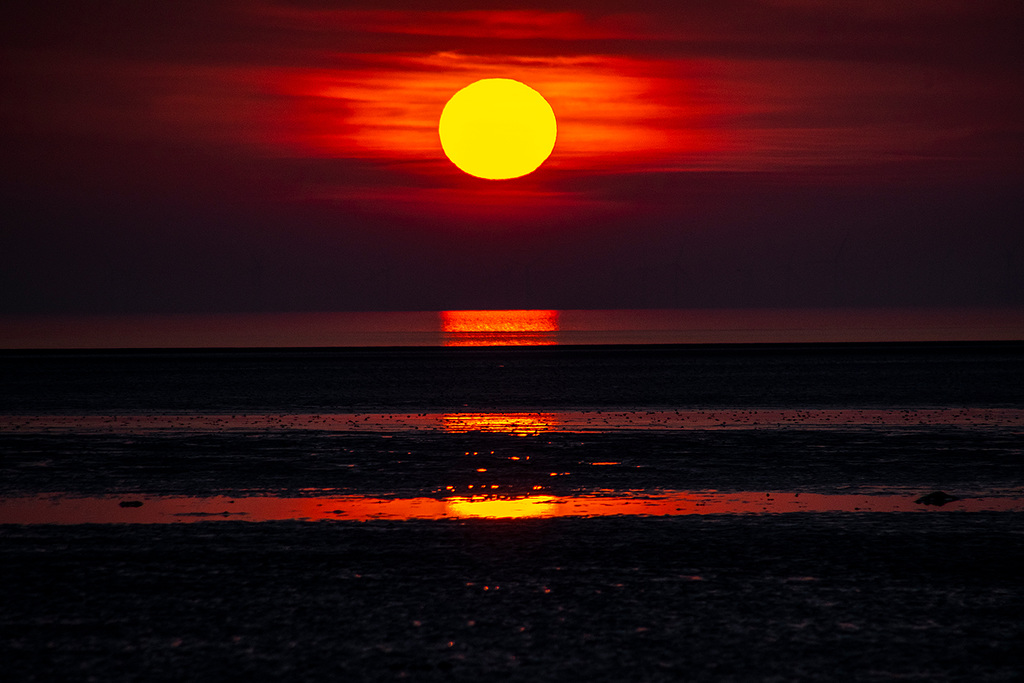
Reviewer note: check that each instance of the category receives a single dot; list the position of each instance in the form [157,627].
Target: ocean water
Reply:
[510,328]
[441,432]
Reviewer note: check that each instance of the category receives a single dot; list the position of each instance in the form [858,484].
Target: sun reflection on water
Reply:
[52,508]
[504,508]
[499,328]
[516,424]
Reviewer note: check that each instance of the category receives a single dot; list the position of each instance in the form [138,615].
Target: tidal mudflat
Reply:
[879,596]
[576,514]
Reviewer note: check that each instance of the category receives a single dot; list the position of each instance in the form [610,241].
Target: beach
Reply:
[748,514]
[876,597]
[554,341]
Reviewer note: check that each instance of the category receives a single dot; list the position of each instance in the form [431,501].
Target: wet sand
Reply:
[657,589]
[864,597]
[970,453]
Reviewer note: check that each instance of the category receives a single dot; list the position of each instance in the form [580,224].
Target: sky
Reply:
[220,156]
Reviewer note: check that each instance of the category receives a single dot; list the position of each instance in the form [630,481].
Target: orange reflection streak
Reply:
[502,508]
[499,328]
[57,509]
[517,424]
[566,421]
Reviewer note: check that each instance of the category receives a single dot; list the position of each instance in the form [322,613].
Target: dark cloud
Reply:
[962,35]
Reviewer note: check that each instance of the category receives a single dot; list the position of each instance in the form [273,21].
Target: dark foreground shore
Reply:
[931,596]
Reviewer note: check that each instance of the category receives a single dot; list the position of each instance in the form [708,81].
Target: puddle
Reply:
[66,509]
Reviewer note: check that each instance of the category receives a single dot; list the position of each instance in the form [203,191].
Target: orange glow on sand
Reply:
[564,421]
[54,508]
[499,328]
[519,424]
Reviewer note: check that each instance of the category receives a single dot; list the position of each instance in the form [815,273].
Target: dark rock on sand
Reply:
[130,503]
[939,498]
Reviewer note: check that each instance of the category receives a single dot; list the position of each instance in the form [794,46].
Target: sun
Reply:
[497,128]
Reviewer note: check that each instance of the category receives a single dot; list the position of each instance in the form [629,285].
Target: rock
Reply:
[939,498]
[130,503]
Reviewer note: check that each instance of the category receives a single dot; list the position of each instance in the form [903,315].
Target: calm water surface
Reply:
[516,328]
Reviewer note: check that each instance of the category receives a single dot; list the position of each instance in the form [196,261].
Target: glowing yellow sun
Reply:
[497,128]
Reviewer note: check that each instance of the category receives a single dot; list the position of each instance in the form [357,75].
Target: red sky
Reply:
[283,156]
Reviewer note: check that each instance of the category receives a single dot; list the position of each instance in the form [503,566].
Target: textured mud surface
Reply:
[928,596]
[401,463]
[876,597]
